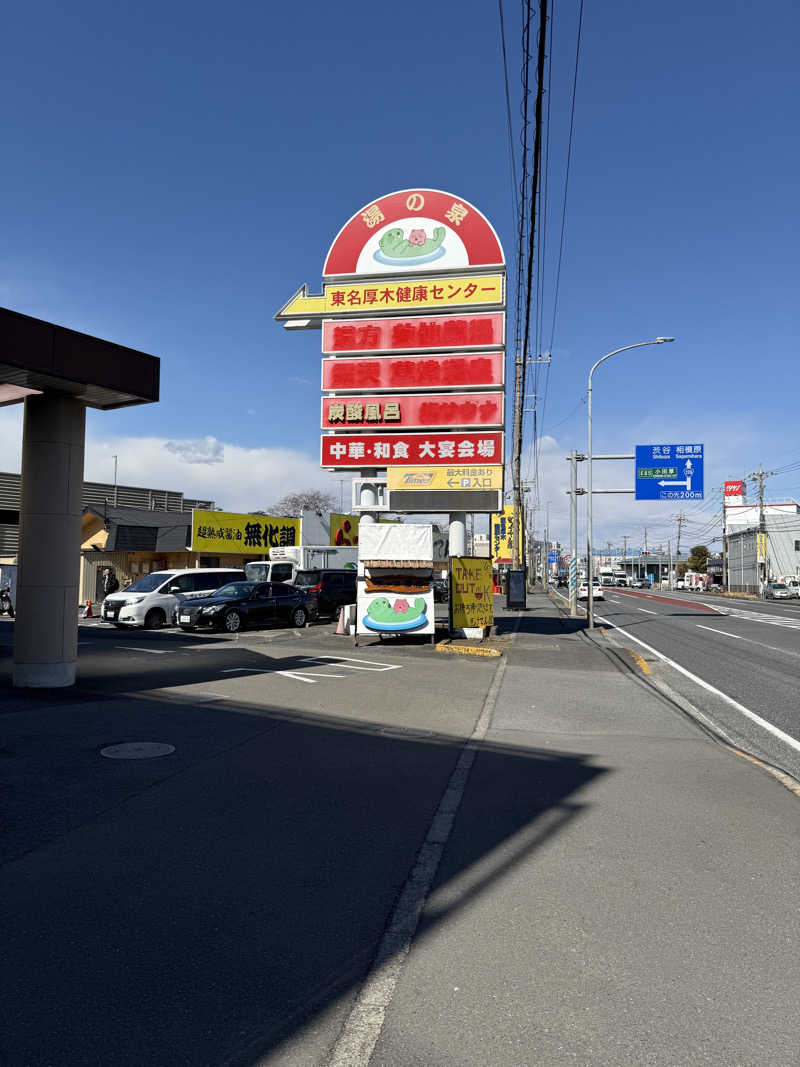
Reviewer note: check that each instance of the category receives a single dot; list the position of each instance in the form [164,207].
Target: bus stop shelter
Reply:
[57,373]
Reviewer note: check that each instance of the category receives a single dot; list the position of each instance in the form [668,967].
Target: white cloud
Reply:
[203,450]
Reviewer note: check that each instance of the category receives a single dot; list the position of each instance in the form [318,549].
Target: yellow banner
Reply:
[473,290]
[252,535]
[501,532]
[467,477]
[344,529]
[761,544]
[471,591]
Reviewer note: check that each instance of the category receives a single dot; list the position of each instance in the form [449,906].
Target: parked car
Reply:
[777,591]
[597,592]
[153,600]
[241,604]
[642,583]
[332,588]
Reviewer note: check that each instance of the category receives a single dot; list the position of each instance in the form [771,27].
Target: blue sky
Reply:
[173,172]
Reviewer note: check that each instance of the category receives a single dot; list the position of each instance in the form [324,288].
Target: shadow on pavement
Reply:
[203,907]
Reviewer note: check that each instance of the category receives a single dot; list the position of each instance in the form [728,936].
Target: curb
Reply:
[468,650]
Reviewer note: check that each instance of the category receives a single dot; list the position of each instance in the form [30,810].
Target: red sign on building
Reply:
[476,370]
[412,409]
[733,489]
[363,450]
[428,332]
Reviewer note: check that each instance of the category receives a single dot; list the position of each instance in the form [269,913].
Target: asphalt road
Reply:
[596,880]
[747,650]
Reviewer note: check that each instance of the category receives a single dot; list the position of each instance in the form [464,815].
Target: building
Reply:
[749,564]
[96,495]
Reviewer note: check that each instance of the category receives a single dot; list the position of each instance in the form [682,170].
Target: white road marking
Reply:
[647,611]
[751,641]
[774,730]
[297,677]
[152,651]
[245,670]
[348,661]
[724,633]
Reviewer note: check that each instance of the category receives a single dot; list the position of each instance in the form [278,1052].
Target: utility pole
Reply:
[644,568]
[669,546]
[522,354]
[625,553]
[761,476]
[680,519]
[115,458]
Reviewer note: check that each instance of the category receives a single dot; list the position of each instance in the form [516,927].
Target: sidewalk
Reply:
[647,916]
[616,887]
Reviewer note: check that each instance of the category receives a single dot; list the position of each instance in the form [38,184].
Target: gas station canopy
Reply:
[37,356]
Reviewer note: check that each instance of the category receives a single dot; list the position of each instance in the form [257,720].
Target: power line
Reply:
[566,174]
[508,111]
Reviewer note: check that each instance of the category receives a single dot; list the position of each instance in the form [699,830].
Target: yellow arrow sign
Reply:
[392,295]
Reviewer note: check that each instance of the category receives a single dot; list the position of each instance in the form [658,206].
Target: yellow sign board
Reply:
[501,533]
[467,477]
[761,547]
[344,529]
[471,591]
[392,295]
[251,535]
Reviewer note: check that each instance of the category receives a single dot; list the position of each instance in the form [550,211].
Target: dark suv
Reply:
[331,588]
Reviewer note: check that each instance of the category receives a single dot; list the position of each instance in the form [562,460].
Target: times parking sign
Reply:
[669,472]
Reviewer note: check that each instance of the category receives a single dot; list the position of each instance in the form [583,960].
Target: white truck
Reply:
[284,562]
[694,581]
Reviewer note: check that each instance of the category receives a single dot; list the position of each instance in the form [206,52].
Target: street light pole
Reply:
[589,563]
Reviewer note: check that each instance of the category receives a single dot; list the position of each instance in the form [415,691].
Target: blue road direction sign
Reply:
[552,557]
[669,472]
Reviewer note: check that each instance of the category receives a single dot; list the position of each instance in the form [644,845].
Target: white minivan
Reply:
[152,600]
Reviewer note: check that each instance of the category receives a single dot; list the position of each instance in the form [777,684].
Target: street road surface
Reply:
[747,650]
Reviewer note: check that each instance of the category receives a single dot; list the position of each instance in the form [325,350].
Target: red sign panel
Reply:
[414,372]
[430,332]
[475,233]
[426,409]
[733,489]
[369,450]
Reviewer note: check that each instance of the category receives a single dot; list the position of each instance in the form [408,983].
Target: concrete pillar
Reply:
[46,629]
[458,534]
[367,498]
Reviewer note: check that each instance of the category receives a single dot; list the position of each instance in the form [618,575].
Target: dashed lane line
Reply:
[647,611]
[751,641]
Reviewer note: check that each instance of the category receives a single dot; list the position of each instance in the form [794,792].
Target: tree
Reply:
[303,499]
[698,559]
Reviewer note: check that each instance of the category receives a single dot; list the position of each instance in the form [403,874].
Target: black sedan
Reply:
[241,604]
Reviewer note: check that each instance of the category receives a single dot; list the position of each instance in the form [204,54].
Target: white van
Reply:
[152,601]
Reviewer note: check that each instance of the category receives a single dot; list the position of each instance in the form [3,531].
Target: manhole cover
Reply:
[137,750]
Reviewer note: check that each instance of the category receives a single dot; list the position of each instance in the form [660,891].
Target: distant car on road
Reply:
[241,604]
[777,591]
[597,592]
[642,583]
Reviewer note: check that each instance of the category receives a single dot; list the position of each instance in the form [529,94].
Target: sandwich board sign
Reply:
[669,472]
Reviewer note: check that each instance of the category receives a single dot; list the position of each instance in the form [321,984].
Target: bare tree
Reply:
[304,499]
